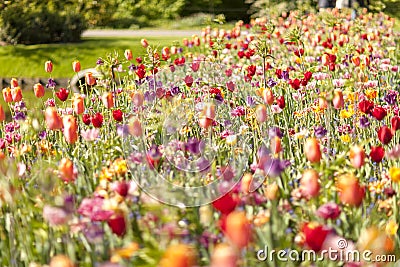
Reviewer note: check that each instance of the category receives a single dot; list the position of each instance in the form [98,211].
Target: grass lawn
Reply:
[28,61]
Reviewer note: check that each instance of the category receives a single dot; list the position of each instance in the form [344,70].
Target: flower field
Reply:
[279,135]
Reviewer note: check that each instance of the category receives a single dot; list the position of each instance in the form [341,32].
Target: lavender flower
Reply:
[320,131]
[51,83]
[364,122]
[275,131]
[250,101]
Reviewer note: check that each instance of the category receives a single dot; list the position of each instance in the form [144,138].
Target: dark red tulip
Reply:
[295,84]
[251,70]
[122,188]
[384,135]
[366,106]
[307,75]
[118,115]
[299,52]
[62,94]
[379,113]
[97,120]
[281,101]
[140,73]
[86,119]
[377,153]
[117,224]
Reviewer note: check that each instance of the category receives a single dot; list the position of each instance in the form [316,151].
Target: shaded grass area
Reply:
[28,61]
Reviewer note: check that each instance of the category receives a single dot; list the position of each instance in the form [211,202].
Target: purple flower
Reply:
[250,101]
[9,128]
[203,164]
[99,61]
[132,67]
[194,146]
[93,232]
[271,83]
[364,122]
[391,98]
[320,131]
[273,167]
[275,131]
[329,211]
[285,75]
[19,116]
[238,111]
[42,135]
[175,90]
[51,83]
[122,130]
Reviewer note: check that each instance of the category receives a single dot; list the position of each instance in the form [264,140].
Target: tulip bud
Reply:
[276,145]
[238,229]
[180,255]
[246,182]
[53,120]
[76,66]
[268,96]
[66,170]
[2,114]
[128,54]
[224,256]
[337,100]
[309,184]
[271,191]
[14,83]
[350,191]
[117,224]
[135,127]
[48,66]
[108,100]
[312,150]
[385,135]
[7,95]
[209,110]
[90,80]
[16,94]
[395,123]
[322,103]
[38,89]
[137,99]
[357,156]
[70,129]
[61,261]
[261,113]
[78,104]
[144,43]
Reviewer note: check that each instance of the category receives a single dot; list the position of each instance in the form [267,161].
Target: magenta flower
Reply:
[329,211]
[93,208]
[55,215]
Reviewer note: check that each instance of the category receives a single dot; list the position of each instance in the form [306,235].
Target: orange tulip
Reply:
[66,170]
[224,256]
[128,54]
[268,96]
[209,110]
[261,113]
[337,100]
[70,129]
[76,66]
[357,156]
[309,184]
[16,94]
[14,82]
[144,43]
[179,256]
[7,95]
[238,229]
[38,89]
[78,104]
[48,66]
[312,150]
[2,114]
[53,120]
[90,80]
[205,122]
[108,100]
[322,103]
[276,145]
[350,191]
[61,261]
[246,183]
[137,99]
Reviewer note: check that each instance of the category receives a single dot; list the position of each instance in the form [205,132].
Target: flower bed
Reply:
[280,134]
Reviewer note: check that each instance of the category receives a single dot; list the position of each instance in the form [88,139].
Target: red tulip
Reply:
[38,89]
[14,83]
[357,156]
[384,135]
[7,95]
[62,94]
[395,122]
[377,153]
[366,106]
[2,114]
[227,203]
[122,188]
[140,72]
[312,150]
[379,113]
[90,79]
[118,115]
[48,66]
[315,235]
[108,100]
[295,84]
[78,104]
[86,119]
[117,224]
[97,120]
[238,229]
